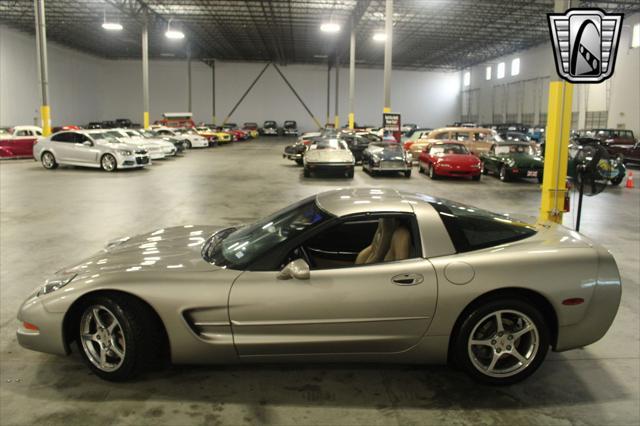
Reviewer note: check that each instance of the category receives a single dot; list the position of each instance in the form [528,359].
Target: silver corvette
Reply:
[356,275]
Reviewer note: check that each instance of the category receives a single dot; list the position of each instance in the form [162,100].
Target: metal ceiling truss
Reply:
[428,34]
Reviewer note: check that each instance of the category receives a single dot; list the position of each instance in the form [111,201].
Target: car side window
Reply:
[442,136]
[67,137]
[23,133]
[460,136]
[80,138]
[361,241]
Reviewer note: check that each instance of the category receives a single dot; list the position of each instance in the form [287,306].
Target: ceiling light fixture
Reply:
[173,34]
[110,26]
[380,37]
[330,27]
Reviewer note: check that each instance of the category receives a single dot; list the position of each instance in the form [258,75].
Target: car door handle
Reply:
[407,279]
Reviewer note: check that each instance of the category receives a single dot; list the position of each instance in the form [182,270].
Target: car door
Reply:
[342,308]
[489,159]
[62,144]
[85,151]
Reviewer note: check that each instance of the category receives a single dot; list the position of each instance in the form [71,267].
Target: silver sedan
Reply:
[351,275]
[95,148]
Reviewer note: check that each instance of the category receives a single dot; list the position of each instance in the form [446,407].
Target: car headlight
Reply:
[124,152]
[475,166]
[54,284]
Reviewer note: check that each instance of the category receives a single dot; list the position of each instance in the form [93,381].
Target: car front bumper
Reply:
[390,166]
[270,131]
[49,336]
[457,171]
[315,167]
[524,172]
[133,161]
[292,157]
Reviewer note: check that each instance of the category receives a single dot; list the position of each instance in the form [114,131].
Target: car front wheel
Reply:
[502,342]
[504,174]
[108,163]
[432,173]
[118,338]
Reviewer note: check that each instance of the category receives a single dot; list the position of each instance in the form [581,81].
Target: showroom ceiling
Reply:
[428,34]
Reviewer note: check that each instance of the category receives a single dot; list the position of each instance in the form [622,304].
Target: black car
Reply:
[123,123]
[108,125]
[357,144]
[270,127]
[290,128]
[514,136]
[94,125]
[295,152]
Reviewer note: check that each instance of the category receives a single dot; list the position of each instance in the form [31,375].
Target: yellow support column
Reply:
[45,114]
[386,109]
[352,120]
[336,121]
[556,154]
[146,119]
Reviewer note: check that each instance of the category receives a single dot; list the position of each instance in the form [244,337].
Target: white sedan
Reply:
[168,149]
[191,137]
[155,151]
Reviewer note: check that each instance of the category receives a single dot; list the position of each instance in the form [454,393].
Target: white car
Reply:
[329,155]
[98,149]
[21,131]
[192,138]
[154,145]
[155,151]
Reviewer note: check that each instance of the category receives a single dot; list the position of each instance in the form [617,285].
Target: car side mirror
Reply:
[87,143]
[298,269]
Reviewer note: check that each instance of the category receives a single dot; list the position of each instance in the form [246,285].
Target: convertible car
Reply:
[510,160]
[328,155]
[449,159]
[386,157]
[350,275]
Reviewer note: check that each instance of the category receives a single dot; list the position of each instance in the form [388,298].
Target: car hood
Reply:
[166,249]
[389,154]
[523,160]
[329,156]
[461,159]
[118,145]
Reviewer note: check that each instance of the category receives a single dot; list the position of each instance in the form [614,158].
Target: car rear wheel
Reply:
[108,163]
[118,337]
[407,174]
[187,144]
[350,173]
[502,342]
[420,168]
[49,161]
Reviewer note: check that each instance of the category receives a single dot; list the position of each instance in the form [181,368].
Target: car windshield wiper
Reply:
[213,242]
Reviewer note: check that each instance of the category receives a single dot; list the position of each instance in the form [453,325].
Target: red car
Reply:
[449,159]
[17,142]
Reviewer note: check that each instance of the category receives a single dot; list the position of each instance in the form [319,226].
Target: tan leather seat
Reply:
[380,244]
[390,242]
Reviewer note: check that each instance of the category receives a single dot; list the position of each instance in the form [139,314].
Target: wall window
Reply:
[466,79]
[487,73]
[596,119]
[635,37]
[500,73]
[515,66]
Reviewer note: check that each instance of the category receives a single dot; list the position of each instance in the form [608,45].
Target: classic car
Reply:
[167,148]
[328,155]
[234,131]
[216,136]
[270,127]
[611,136]
[350,275]
[190,136]
[476,139]
[386,157]
[179,143]
[93,125]
[125,123]
[108,124]
[251,128]
[295,152]
[290,128]
[510,136]
[307,138]
[450,159]
[68,127]
[357,143]
[18,141]
[415,134]
[537,134]
[510,160]
[408,128]
[629,154]
[91,148]
[207,133]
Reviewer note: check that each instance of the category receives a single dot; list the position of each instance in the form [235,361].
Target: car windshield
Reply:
[449,148]
[378,145]
[239,247]
[133,133]
[112,137]
[330,144]
[514,149]
[269,124]
[289,124]
[5,131]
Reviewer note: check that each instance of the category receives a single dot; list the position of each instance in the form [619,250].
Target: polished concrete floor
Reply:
[53,218]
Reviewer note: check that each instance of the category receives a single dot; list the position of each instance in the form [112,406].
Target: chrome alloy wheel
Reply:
[503,343]
[102,338]
[108,162]
[47,160]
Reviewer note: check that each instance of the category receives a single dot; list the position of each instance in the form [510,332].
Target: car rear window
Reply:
[471,228]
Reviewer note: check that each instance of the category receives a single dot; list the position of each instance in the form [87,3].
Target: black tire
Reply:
[108,163]
[299,162]
[307,172]
[187,144]
[476,177]
[48,160]
[407,174]
[504,174]
[432,173]
[350,173]
[144,337]
[484,169]
[483,314]
[420,168]
[617,180]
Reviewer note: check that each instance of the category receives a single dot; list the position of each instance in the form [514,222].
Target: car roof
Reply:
[463,129]
[523,143]
[346,201]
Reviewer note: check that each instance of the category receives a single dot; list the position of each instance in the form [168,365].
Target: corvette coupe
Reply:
[350,275]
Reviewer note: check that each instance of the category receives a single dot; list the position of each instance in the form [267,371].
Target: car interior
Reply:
[359,241]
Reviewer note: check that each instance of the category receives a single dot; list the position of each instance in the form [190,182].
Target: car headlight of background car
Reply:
[124,152]
[55,283]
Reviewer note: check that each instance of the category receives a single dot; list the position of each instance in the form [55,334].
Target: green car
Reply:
[510,160]
[614,169]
